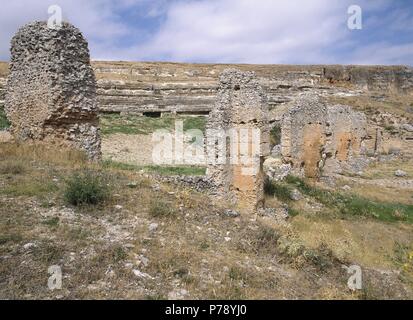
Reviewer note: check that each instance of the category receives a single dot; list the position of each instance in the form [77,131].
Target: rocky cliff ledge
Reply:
[191,88]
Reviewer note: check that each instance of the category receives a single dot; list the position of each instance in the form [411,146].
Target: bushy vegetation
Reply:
[281,191]
[87,187]
[159,208]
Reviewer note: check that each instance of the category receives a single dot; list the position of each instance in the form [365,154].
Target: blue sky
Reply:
[229,31]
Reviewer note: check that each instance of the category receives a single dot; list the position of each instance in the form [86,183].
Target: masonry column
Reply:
[51,89]
[238,140]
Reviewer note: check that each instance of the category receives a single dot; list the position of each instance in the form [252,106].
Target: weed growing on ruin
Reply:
[87,187]
[275,136]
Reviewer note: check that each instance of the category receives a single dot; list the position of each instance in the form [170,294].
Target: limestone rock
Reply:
[407,127]
[231,213]
[400,173]
[295,195]
[153,227]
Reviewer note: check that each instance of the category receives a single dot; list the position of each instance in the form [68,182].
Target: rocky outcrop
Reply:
[398,79]
[51,88]
[191,88]
[140,87]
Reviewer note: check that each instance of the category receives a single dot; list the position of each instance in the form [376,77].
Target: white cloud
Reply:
[248,31]
[242,31]
[95,18]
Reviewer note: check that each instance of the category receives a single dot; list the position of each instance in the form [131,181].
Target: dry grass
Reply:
[12,167]
[4,69]
[41,152]
[370,243]
[387,169]
[107,252]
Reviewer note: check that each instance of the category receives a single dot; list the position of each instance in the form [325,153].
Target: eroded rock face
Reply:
[320,140]
[51,88]
[237,133]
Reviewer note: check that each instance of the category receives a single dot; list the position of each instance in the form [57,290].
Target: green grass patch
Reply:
[4,122]
[281,191]
[29,188]
[133,124]
[177,171]
[51,222]
[162,170]
[109,164]
[344,204]
[198,123]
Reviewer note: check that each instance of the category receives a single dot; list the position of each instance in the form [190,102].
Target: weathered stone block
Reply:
[318,139]
[51,88]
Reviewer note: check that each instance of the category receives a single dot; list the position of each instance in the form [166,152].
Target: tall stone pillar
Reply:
[238,140]
[51,88]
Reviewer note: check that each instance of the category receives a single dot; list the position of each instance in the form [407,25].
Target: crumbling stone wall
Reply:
[240,111]
[51,88]
[320,140]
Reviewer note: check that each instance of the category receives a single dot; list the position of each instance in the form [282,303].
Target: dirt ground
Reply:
[128,148]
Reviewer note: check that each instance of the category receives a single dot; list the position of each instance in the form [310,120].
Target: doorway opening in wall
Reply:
[152,114]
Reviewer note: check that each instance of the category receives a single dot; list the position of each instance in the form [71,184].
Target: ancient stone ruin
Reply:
[238,140]
[320,140]
[51,88]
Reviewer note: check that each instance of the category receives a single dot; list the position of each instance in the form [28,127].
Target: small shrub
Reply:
[237,274]
[52,222]
[265,240]
[87,188]
[159,208]
[277,189]
[118,254]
